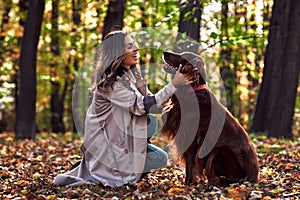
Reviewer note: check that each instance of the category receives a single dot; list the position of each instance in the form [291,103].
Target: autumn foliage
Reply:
[27,169]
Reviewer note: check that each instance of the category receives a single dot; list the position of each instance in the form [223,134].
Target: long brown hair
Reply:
[108,60]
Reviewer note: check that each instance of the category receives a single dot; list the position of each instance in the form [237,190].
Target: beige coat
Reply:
[114,147]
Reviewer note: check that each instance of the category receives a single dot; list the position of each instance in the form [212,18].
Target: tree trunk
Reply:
[25,124]
[56,105]
[276,100]
[189,25]
[282,120]
[77,125]
[115,15]
[273,67]
[23,6]
[253,26]
[228,75]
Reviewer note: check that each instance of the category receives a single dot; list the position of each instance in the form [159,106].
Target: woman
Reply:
[115,148]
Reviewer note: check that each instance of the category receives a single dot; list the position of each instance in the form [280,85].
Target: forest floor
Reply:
[27,170]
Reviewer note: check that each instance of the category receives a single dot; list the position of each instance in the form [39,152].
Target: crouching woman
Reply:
[115,148]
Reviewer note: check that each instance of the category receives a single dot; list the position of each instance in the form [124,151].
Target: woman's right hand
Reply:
[182,79]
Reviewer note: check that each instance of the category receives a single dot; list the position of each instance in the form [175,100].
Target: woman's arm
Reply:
[138,104]
[152,103]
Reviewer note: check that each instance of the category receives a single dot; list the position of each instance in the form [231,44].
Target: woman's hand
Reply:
[182,79]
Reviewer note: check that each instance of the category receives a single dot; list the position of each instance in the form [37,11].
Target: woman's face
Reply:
[131,50]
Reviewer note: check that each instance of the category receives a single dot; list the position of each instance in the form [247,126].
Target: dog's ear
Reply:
[199,63]
[173,59]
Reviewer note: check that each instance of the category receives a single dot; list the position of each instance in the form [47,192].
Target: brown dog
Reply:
[206,135]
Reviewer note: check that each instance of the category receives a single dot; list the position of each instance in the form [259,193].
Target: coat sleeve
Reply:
[154,103]
[135,102]
[164,94]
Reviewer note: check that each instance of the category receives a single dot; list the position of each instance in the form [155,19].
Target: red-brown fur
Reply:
[233,157]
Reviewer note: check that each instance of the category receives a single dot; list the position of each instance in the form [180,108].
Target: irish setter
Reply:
[206,136]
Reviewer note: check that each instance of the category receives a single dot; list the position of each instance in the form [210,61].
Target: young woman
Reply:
[115,149]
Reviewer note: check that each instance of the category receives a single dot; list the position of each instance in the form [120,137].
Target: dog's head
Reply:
[189,62]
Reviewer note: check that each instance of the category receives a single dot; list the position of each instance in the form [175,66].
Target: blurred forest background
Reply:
[253,43]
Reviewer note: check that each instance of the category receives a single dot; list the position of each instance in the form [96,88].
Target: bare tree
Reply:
[227,74]
[189,25]
[114,16]
[276,100]
[25,115]
[57,96]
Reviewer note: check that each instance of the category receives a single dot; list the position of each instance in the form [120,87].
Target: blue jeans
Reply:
[155,158]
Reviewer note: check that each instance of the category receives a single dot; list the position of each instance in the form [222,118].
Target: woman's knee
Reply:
[157,156]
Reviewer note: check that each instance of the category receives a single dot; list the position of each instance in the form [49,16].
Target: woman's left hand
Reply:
[183,79]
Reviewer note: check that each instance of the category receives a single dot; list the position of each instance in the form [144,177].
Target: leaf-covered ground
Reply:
[27,169]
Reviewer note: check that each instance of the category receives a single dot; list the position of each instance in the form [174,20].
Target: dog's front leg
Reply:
[189,156]
[189,164]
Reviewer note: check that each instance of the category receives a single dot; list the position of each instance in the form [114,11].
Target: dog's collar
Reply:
[199,87]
